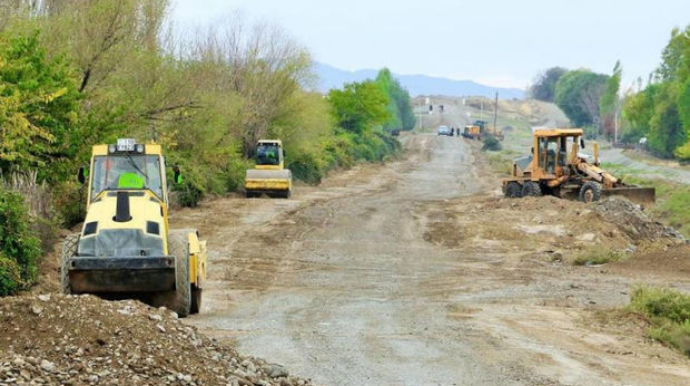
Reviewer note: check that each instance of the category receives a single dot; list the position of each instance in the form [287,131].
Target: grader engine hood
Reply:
[123,224]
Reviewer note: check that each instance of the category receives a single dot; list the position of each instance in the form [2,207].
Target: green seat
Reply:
[130,181]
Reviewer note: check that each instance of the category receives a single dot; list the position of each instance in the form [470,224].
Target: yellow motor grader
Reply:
[557,167]
[126,248]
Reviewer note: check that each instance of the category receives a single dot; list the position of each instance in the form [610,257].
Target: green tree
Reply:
[675,61]
[666,130]
[609,103]
[638,110]
[578,93]
[19,246]
[359,107]
[399,107]
[544,87]
[39,107]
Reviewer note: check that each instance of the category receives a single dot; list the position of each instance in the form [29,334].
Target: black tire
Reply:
[531,189]
[69,249]
[180,299]
[196,300]
[590,192]
[513,190]
[287,194]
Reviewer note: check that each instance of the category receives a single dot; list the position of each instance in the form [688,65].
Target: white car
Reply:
[444,130]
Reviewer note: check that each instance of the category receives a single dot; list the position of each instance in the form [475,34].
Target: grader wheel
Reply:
[590,192]
[513,190]
[532,189]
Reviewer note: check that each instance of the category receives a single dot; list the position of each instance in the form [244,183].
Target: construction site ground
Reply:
[413,272]
[418,272]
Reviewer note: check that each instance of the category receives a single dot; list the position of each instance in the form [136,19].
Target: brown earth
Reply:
[418,272]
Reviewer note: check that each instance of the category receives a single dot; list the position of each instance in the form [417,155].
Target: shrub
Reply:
[491,143]
[69,199]
[306,167]
[39,201]
[596,256]
[187,194]
[10,277]
[668,312]
[18,243]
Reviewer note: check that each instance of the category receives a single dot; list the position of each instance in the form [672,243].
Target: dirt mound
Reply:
[497,224]
[630,218]
[83,340]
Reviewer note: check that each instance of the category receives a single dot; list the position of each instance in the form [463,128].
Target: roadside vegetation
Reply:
[668,313]
[77,73]
[657,108]
[597,256]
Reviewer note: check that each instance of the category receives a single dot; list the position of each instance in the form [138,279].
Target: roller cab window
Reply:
[268,154]
[126,172]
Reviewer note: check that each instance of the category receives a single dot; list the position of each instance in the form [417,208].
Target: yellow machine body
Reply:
[126,246]
[556,166]
[270,175]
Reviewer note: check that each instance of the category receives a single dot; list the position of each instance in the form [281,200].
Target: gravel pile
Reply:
[83,340]
[630,218]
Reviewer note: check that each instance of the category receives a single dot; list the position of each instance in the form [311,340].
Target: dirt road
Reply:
[646,169]
[413,273]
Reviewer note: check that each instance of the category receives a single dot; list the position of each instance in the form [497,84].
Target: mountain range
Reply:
[330,77]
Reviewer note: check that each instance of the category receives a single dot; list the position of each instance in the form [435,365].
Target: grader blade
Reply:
[633,193]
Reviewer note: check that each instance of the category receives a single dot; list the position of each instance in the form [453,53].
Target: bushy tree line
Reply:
[581,94]
[661,110]
[78,73]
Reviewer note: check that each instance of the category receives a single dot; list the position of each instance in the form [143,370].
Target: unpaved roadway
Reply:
[397,274]
[673,173]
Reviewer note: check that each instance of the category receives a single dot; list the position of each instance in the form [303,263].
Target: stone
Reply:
[276,371]
[47,365]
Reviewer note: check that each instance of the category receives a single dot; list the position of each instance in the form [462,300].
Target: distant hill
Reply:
[331,77]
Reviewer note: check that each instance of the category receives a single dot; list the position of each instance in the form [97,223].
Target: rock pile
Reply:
[630,218]
[83,340]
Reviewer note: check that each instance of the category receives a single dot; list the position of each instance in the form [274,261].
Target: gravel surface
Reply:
[83,340]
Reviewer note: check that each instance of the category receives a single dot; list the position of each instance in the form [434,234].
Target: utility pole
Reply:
[495,111]
[481,109]
[421,113]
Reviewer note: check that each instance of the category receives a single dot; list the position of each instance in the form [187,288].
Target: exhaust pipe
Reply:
[122,213]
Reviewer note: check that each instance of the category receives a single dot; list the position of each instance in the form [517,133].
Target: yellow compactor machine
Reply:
[126,248]
[270,176]
[556,166]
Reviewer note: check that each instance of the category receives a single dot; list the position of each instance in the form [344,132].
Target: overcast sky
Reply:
[496,42]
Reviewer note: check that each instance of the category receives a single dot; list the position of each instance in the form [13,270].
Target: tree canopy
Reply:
[544,87]
[359,106]
[399,106]
[661,111]
[578,93]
